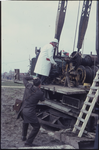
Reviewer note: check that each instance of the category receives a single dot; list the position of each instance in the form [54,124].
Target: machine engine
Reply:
[72,71]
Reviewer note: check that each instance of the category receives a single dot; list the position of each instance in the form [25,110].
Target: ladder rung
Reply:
[89,112]
[91,95]
[94,88]
[96,80]
[84,111]
[80,119]
[79,128]
[87,103]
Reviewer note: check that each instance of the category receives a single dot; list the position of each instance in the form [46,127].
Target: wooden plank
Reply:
[97,72]
[60,88]
[80,119]
[95,88]
[79,128]
[84,111]
[87,103]
[91,95]
[63,90]
[96,80]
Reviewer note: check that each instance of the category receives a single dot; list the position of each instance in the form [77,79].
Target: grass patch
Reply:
[10,83]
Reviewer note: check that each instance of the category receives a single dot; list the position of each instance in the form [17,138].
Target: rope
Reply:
[76,26]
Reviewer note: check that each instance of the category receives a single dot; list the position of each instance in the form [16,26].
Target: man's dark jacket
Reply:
[31,97]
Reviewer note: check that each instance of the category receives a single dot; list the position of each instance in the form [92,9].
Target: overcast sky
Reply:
[29,24]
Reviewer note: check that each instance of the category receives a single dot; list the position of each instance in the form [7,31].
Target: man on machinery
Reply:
[45,59]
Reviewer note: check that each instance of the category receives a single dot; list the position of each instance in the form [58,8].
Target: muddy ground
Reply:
[11,128]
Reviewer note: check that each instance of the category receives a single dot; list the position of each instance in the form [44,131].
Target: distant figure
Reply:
[32,95]
[45,59]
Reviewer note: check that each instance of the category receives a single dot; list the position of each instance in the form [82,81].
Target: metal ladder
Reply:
[93,97]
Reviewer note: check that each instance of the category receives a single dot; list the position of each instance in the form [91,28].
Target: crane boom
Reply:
[83,22]
[60,18]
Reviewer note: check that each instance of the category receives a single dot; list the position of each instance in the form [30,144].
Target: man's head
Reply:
[37,82]
[55,41]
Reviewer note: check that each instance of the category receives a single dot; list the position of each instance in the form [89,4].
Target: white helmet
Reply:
[55,40]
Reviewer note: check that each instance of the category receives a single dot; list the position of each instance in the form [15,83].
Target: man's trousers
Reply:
[36,127]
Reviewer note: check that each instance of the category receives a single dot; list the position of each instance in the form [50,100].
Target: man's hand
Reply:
[55,64]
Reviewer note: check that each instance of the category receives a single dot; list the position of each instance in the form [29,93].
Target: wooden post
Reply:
[16,74]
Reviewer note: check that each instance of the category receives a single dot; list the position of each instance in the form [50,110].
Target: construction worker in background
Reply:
[45,59]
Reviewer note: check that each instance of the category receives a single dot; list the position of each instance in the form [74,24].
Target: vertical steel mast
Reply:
[97,30]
